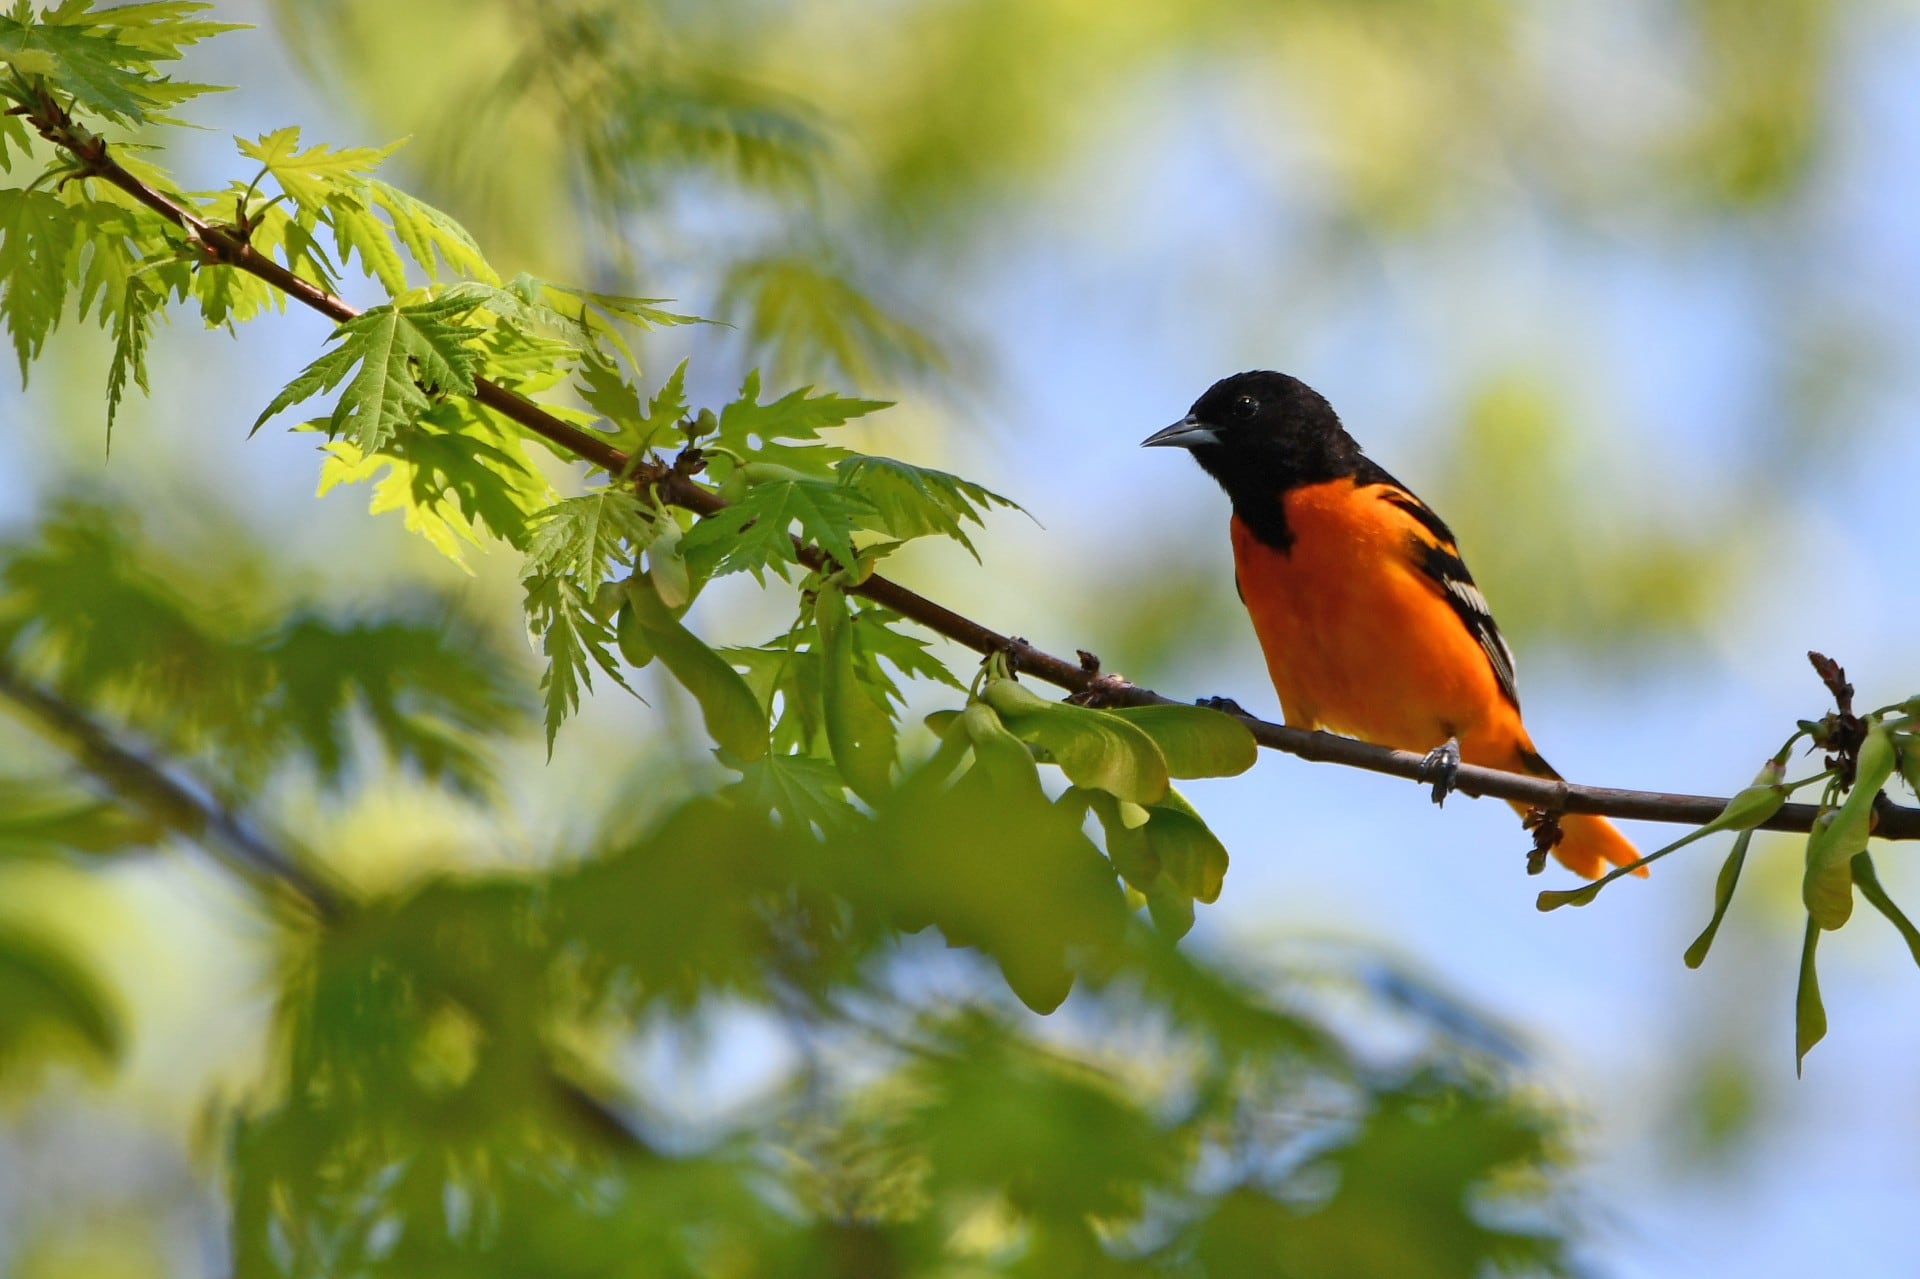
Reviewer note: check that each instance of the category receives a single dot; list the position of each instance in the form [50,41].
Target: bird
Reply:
[1369,621]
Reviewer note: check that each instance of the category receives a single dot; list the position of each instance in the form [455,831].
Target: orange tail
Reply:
[1587,842]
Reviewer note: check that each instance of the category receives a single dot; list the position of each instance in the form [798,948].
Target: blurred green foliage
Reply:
[449,1086]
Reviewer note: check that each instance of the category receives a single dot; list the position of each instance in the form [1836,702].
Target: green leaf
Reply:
[1128,847]
[646,313]
[803,790]
[756,531]
[733,715]
[912,501]
[1196,740]
[1555,898]
[1722,898]
[794,416]
[1192,858]
[1876,895]
[875,640]
[356,231]
[311,178]
[613,398]
[14,136]
[1827,888]
[426,231]
[585,324]
[48,1001]
[573,640]
[859,729]
[1171,910]
[37,238]
[107,71]
[1093,748]
[1744,811]
[1809,1014]
[995,864]
[1164,850]
[133,326]
[459,468]
[786,676]
[432,691]
[585,538]
[403,354]
[631,638]
[811,316]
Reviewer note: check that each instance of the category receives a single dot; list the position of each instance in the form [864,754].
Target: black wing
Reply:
[1439,559]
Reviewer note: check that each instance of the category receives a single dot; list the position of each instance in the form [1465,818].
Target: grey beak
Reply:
[1184,434]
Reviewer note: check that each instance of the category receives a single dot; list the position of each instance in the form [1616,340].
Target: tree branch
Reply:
[228,247]
[189,810]
[177,804]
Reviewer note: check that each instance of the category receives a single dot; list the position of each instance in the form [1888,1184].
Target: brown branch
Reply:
[226,246]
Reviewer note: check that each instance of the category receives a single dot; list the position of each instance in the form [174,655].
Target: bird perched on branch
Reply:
[1370,622]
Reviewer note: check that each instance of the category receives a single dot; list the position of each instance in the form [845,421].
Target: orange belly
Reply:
[1359,641]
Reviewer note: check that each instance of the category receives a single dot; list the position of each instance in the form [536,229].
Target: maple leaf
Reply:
[402,354]
[312,176]
[797,415]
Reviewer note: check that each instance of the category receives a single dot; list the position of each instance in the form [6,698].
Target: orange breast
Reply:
[1357,639]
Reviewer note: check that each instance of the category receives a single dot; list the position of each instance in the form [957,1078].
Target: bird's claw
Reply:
[1441,766]
[1223,704]
[1546,834]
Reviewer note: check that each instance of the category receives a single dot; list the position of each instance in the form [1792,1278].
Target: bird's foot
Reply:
[1441,767]
[1225,704]
[1546,833]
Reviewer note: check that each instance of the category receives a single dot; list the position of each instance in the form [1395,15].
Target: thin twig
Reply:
[224,246]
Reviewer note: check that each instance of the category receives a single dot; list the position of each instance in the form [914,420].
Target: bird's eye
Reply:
[1245,407]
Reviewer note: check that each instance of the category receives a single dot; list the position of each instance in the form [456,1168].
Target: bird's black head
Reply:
[1262,433]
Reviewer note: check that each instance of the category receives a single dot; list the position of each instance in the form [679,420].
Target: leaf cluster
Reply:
[168,648]
[1239,1138]
[1868,752]
[434,1105]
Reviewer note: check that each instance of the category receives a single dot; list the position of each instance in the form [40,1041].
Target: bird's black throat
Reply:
[1257,474]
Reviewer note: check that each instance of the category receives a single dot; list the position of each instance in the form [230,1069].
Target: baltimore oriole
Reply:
[1369,620]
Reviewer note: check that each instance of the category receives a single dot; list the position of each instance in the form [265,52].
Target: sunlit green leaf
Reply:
[1091,747]
[402,354]
[1195,740]
[313,176]
[37,234]
[104,60]
[427,232]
